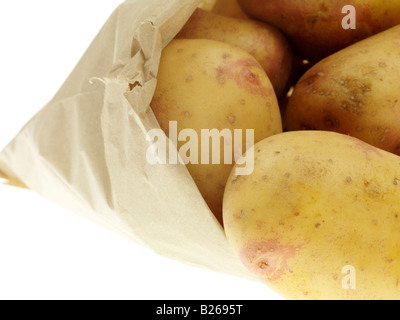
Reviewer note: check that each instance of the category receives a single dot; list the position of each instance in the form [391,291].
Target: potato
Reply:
[264,42]
[319,217]
[315,27]
[355,92]
[206,84]
[229,8]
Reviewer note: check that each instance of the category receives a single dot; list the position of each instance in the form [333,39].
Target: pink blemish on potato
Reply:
[268,259]
[240,72]
[366,148]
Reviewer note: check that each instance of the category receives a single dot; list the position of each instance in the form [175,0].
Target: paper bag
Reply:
[86,149]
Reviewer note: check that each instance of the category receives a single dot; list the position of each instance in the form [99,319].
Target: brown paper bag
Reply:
[86,149]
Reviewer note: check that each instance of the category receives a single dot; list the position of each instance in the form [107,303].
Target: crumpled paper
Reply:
[85,150]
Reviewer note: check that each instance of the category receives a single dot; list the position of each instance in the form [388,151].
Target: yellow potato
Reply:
[206,84]
[319,217]
[355,92]
[262,41]
[315,27]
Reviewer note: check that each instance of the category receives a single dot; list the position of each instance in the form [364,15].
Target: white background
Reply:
[47,252]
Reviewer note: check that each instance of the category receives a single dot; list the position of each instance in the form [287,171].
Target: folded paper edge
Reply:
[5,180]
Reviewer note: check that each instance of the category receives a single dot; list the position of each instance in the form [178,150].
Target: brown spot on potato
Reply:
[330,121]
[372,188]
[313,169]
[356,91]
[231,119]
[389,260]
[220,76]
[310,80]
[323,7]
[368,71]
[312,21]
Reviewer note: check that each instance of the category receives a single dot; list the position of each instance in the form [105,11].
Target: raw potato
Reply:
[206,84]
[229,8]
[355,92]
[315,27]
[264,42]
[318,203]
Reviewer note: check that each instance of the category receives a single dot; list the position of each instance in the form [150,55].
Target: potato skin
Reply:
[316,202]
[229,8]
[206,84]
[262,41]
[314,27]
[355,92]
